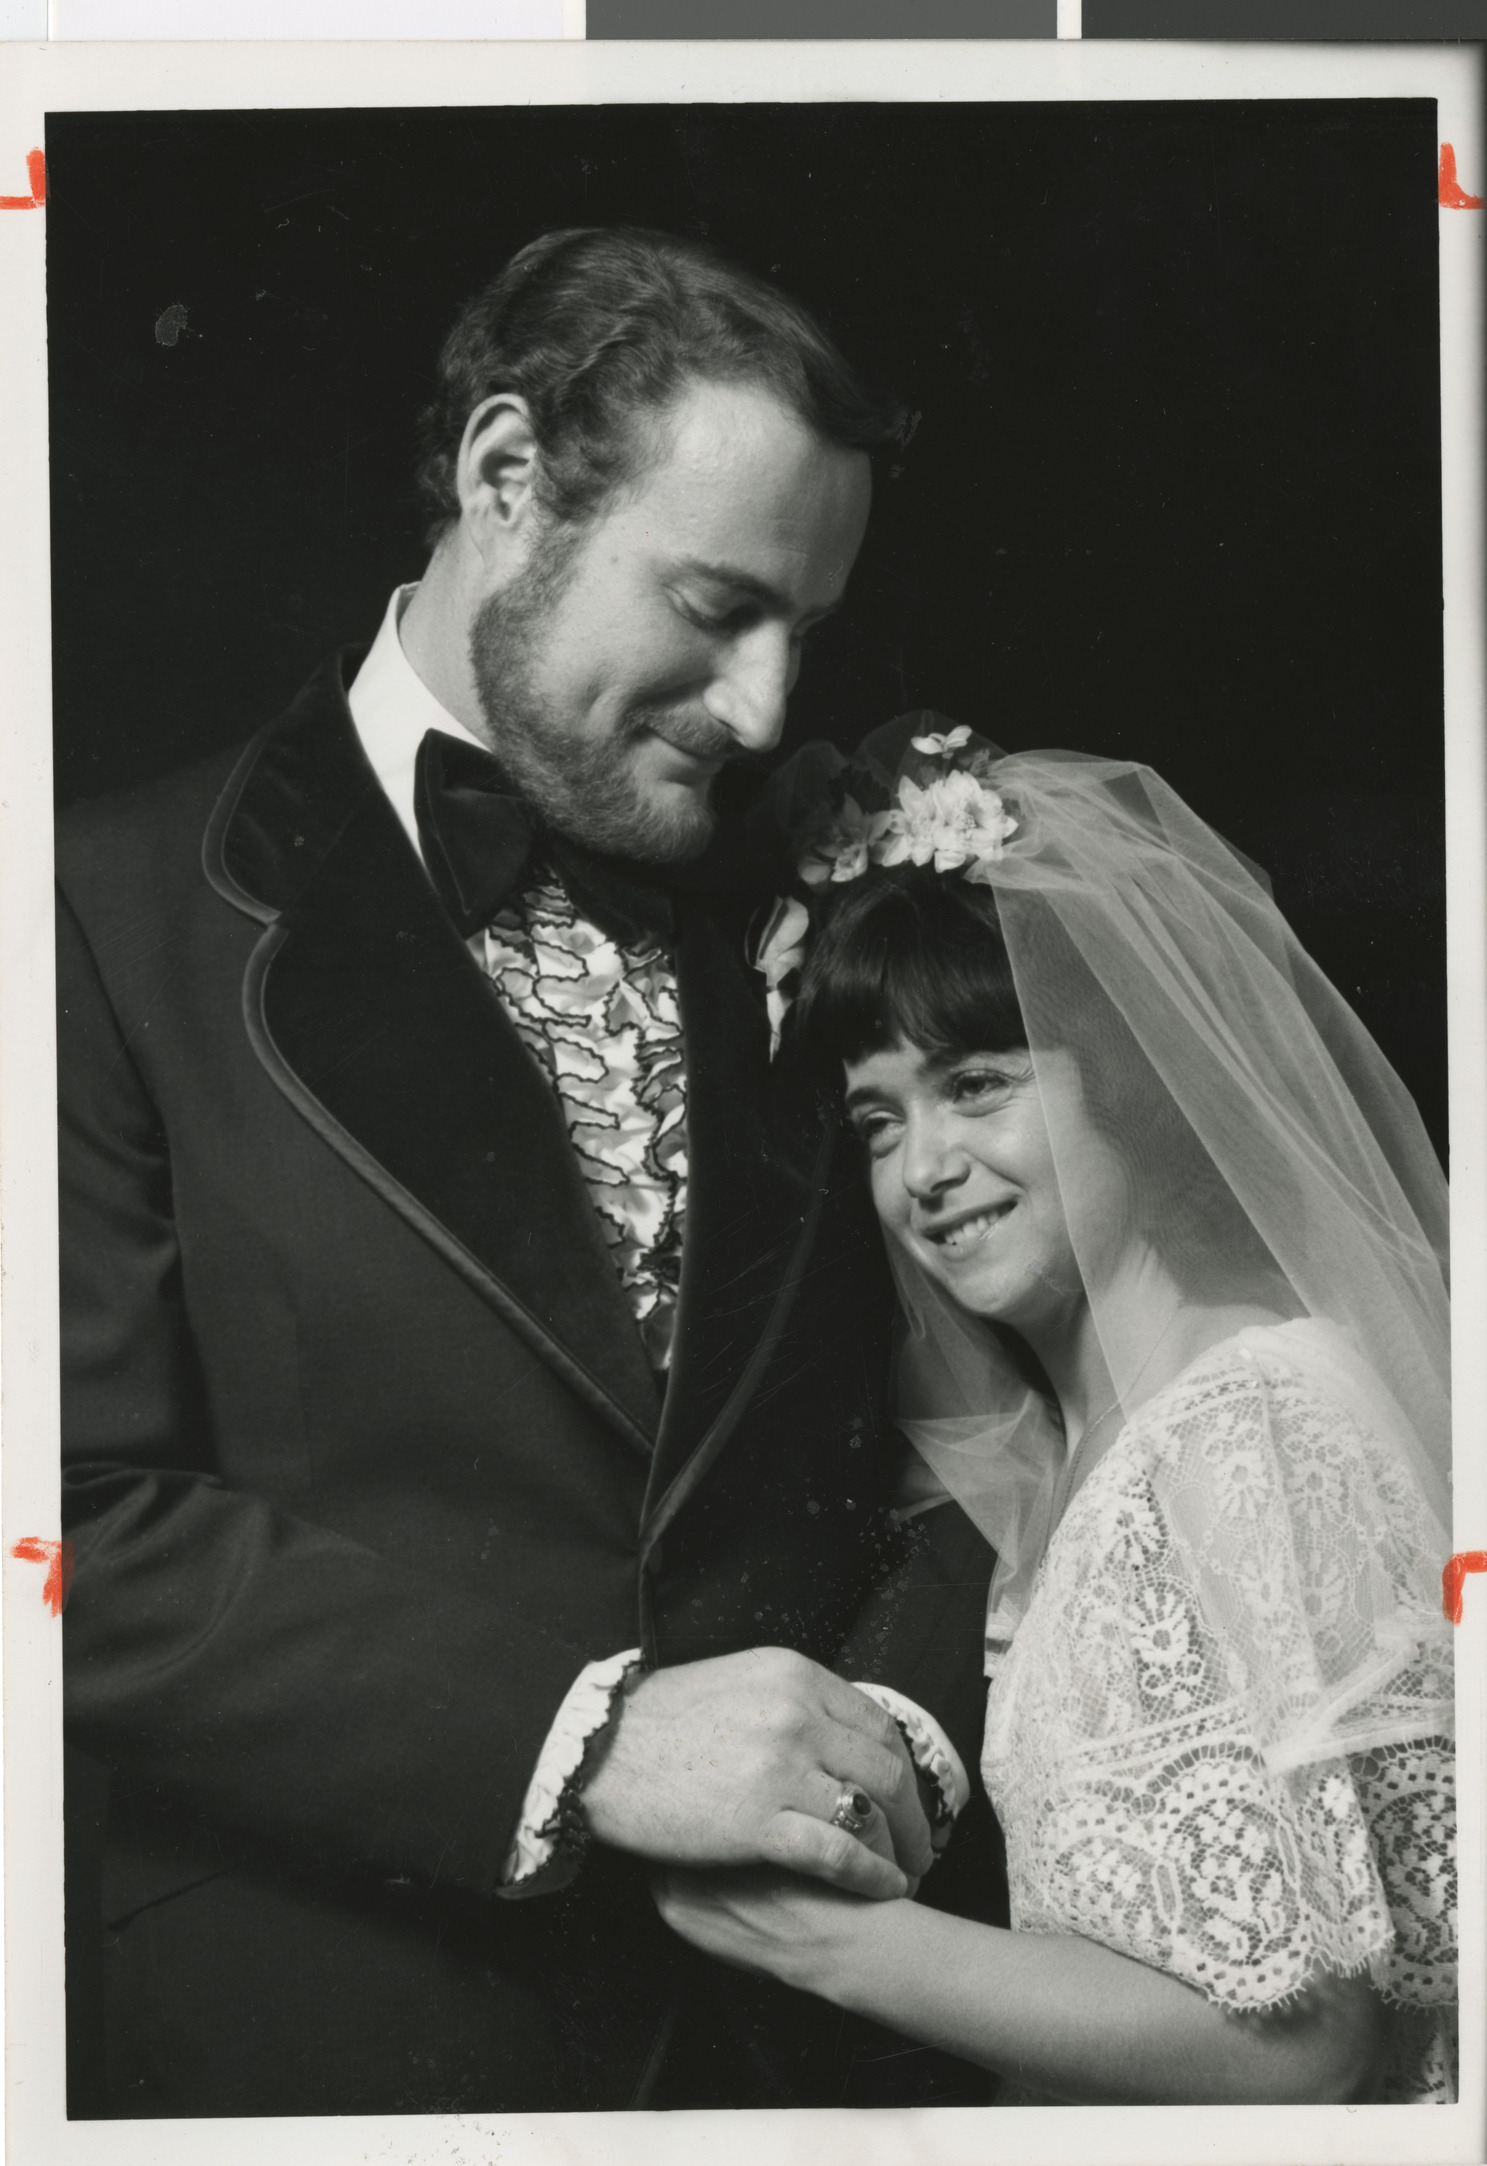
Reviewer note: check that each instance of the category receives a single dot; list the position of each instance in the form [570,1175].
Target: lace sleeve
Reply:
[1220,1739]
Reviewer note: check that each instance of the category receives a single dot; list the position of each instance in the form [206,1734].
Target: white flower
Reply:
[941,747]
[781,951]
[843,852]
[953,821]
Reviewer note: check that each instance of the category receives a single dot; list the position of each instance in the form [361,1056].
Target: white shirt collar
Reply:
[392,708]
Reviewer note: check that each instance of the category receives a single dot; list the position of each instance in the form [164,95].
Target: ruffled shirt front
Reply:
[1220,1739]
[602,1023]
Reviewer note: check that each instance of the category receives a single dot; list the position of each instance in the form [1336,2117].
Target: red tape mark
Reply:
[1453,197]
[57,1557]
[36,174]
[1466,1560]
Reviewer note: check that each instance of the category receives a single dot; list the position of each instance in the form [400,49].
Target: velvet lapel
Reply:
[370,1014]
[758,1163]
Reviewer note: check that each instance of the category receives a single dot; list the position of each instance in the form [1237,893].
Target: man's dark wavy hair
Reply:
[596,327]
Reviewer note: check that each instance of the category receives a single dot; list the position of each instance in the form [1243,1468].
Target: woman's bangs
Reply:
[922,967]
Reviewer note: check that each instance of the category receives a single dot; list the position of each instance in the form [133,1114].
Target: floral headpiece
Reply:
[951,818]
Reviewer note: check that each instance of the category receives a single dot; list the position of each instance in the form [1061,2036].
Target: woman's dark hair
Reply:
[595,327]
[906,953]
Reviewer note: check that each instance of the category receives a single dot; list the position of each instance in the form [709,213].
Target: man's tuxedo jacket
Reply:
[364,1462]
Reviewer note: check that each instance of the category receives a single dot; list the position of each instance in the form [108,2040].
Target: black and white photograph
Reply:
[753,1359]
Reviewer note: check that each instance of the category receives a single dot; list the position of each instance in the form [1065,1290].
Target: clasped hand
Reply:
[740,1760]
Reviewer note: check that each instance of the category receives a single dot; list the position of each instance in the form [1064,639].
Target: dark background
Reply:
[1174,492]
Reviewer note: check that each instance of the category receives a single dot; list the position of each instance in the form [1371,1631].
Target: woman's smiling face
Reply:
[963,1178]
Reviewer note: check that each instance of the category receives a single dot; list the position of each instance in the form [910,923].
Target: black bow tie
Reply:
[482,845]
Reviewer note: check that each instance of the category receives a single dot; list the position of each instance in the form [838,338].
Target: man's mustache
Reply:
[697,734]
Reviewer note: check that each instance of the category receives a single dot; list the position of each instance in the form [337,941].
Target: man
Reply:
[474,1429]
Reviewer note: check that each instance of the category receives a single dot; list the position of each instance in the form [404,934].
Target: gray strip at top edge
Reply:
[822,19]
[1288,22]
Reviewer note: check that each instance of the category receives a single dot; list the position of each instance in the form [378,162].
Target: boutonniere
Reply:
[780,955]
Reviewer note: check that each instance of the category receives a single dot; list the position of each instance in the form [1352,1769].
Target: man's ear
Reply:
[496,478]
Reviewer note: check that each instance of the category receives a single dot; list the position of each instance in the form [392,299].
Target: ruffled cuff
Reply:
[548,1846]
[933,1754]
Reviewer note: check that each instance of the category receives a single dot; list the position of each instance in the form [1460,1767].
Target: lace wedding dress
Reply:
[1219,1740]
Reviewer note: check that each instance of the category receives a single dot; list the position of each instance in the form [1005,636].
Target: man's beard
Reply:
[585,788]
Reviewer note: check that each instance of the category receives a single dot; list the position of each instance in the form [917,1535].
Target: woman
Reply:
[1170,1241]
